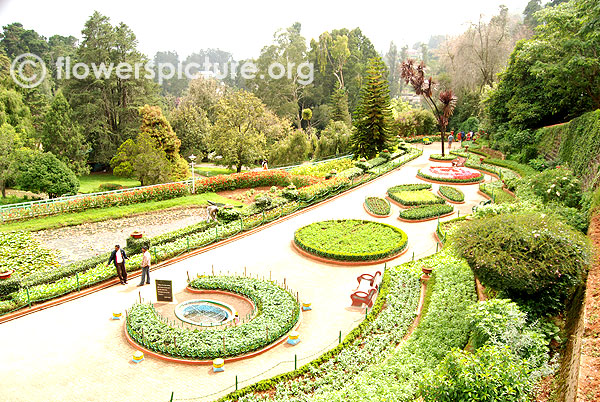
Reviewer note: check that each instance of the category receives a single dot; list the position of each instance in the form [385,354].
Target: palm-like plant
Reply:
[415,76]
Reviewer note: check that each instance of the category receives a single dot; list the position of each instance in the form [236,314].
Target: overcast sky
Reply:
[244,27]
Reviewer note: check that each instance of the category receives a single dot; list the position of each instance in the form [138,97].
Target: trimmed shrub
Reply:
[410,187]
[425,212]
[453,194]
[378,206]
[227,215]
[350,173]
[527,256]
[415,198]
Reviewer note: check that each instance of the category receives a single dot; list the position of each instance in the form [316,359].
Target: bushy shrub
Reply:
[110,187]
[555,185]
[290,193]
[363,165]
[263,202]
[490,374]
[227,215]
[525,255]
[351,173]
[385,154]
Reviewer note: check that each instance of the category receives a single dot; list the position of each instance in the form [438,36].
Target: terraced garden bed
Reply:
[351,240]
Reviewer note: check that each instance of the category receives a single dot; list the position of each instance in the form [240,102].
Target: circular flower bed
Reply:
[351,240]
[377,206]
[451,174]
[278,312]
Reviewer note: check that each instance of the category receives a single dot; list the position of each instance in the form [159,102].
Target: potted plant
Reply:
[136,234]
[6,274]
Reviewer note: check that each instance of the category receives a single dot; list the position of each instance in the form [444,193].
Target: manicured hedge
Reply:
[453,194]
[521,169]
[278,312]
[409,187]
[425,212]
[350,173]
[415,198]
[378,206]
[350,240]
[441,157]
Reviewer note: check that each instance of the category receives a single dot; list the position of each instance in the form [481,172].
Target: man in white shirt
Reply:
[146,262]
[118,256]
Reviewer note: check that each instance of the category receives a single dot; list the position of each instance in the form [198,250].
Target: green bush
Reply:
[521,169]
[426,211]
[110,187]
[351,173]
[409,187]
[553,185]
[453,194]
[363,165]
[440,157]
[290,193]
[351,240]
[525,255]
[8,286]
[490,374]
[227,215]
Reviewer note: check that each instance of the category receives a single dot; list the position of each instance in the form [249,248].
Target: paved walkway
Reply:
[74,352]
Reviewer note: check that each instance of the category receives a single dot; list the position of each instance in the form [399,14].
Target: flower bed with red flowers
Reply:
[259,178]
[451,174]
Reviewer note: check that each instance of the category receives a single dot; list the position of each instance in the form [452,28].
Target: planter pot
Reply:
[137,235]
[6,274]
[426,270]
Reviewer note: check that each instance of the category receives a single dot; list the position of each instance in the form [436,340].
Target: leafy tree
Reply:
[239,132]
[106,108]
[373,117]
[9,144]
[193,129]
[62,136]
[142,159]
[425,87]
[204,93]
[14,111]
[158,128]
[334,140]
[392,59]
[291,150]
[339,107]
[45,173]
[282,95]
[16,40]
[307,116]
[528,14]
[173,86]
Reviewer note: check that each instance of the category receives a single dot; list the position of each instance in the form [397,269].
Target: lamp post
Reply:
[193,158]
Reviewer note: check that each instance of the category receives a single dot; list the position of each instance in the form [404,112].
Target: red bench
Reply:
[459,162]
[368,285]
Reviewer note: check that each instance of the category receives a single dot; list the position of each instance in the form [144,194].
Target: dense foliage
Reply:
[415,197]
[351,240]
[426,212]
[528,256]
[277,313]
[377,206]
[453,194]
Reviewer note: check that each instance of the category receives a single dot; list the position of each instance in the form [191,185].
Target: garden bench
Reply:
[459,162]
[481,204]
[368,285]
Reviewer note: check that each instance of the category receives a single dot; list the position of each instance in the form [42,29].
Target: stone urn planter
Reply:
[6,274]
[426,270]
[137,234]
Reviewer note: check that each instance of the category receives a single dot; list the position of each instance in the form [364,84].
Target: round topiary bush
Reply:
[528,256]
[351,240]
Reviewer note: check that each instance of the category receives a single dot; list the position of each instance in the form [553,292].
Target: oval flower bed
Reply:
[452,194]
[351,240]
[378,207]
[415,198]
[426,212]
[278,311]
[450,174]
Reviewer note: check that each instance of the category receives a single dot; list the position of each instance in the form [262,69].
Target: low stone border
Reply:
[376,216]
[347,263]
[448,199]
[426,219]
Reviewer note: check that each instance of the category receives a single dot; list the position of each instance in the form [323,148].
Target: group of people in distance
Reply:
[460,136]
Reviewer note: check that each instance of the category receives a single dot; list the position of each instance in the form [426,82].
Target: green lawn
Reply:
[102,214]
[209,171]
[92,182]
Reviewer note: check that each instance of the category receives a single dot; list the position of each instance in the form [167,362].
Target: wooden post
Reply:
[223,345]
[188,275]
[213,270]
[244,271]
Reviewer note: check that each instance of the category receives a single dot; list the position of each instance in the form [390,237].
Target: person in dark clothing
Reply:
[118,257]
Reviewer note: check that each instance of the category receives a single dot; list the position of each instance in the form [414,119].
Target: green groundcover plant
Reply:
[351,240]
[426,212]
[378,206]
[278,312]
[453,194]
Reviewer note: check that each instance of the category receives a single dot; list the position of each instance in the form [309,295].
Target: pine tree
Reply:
[373,115]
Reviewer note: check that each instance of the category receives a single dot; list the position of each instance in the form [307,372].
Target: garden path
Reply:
[75,352]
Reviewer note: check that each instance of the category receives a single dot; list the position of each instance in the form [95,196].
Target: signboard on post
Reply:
[164,290]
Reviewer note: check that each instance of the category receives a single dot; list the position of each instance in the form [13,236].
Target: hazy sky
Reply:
[244,27]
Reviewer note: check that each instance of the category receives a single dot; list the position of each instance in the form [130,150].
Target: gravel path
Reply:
[79,242]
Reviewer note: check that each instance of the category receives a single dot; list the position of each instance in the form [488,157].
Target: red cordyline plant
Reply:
[415,76]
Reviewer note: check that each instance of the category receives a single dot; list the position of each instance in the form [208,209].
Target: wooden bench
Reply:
[368,286]
[459,162]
